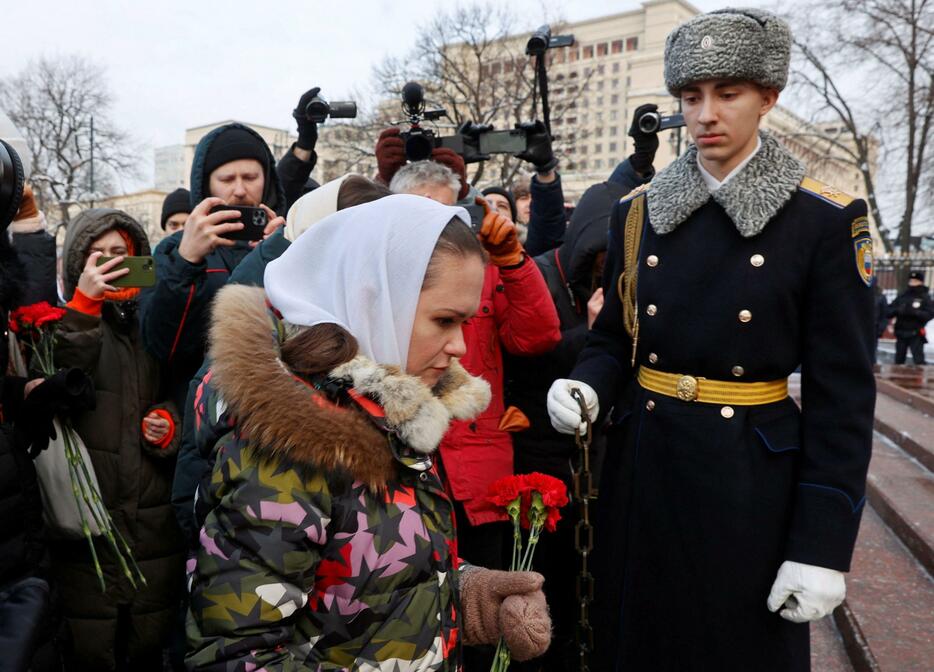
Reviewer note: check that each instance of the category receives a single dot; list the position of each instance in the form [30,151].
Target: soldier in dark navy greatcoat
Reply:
[727,516]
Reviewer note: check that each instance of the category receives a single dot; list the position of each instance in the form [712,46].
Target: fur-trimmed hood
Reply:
[751,198]
[289,418]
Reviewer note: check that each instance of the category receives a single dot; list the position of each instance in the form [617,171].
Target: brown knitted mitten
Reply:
[482,594]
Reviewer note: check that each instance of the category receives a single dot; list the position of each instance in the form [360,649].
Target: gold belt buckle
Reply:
[687,388]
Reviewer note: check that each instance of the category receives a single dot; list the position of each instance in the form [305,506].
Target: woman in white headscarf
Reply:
[330,541]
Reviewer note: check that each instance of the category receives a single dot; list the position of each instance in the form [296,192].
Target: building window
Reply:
[496,68]
[583,149]
[507,67]
[600,85]
[613,115]
[599,101]
[612,149]
[601,49]
[598,148]
[613,129]
[573,75]
[572,56]
[572,120]
[614,99]
[615,83]
[598,163]
[560,56]
[600,69]
[588,51]
[632,43]
[617,46]
[616,67]
[583,164]
[599,133]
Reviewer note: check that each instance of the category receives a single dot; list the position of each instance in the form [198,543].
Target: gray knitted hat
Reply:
[747,44]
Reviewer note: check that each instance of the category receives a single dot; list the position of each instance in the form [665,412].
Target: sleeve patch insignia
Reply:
[864,262]
[860,227]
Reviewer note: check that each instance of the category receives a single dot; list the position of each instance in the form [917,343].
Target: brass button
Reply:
[652,260]
[651,309]
[653,358]
[650,405]
[757,260]
[738,371]
[745,316]
[727,412]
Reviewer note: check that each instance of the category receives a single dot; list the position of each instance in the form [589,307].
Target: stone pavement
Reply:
[887,620]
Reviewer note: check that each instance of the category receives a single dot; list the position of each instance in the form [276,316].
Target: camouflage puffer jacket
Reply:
[329,544]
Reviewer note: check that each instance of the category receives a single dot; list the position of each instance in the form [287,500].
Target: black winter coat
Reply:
[36,251]
[175,313]
[912,309]
[568,272]
[135,477]
[700,503]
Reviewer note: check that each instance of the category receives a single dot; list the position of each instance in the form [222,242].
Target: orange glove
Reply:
[500,237]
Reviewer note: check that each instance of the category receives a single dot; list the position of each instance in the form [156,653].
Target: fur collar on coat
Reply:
[288,418]
[751,198]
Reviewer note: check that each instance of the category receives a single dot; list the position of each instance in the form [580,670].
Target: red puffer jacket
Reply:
[516,313]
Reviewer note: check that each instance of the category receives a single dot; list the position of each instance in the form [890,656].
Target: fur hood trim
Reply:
[419,415]
[288,418]
[750,198]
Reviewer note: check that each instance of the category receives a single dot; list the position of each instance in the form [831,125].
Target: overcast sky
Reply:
[174,64]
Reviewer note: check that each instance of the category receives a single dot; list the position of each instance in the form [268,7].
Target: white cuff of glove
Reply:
[806,592]
[563,409]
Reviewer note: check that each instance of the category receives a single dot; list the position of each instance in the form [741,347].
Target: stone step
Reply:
[907,419]
[828,652]
[901,490]
[887,620]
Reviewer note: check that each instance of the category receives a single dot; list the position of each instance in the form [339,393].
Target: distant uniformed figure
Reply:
[912,310]
[727,516]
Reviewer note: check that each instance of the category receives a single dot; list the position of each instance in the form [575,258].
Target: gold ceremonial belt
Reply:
[707,391]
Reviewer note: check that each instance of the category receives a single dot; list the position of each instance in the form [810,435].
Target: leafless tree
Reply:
[56,102]
[469,63]
[870,65]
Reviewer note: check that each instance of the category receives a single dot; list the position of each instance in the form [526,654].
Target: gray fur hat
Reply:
[748,44]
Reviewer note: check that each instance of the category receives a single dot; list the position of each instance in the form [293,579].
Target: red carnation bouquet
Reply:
[532,502]
[36,325]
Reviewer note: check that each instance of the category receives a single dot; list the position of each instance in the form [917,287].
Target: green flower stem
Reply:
[75,489]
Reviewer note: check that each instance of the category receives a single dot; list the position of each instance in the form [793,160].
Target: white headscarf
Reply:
[312,208]
[362,268]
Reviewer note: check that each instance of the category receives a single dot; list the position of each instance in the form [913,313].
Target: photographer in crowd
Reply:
[232,166]
[132,436]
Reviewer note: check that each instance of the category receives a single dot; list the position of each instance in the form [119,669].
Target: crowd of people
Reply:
[297,436]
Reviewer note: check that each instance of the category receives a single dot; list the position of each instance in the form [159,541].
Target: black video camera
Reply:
[12,182]
[419,142]
[318,109]
[653,122]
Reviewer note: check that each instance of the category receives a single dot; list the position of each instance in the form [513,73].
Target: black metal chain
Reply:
[583,532]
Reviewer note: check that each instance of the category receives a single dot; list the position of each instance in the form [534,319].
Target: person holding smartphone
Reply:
[233,166]
[132,436]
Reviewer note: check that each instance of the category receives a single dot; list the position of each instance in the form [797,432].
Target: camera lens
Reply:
[418,147]
[650,122]
[12,181]
[317,109]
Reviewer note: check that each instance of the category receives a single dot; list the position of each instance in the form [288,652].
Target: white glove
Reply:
[806,592]
[563,409]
